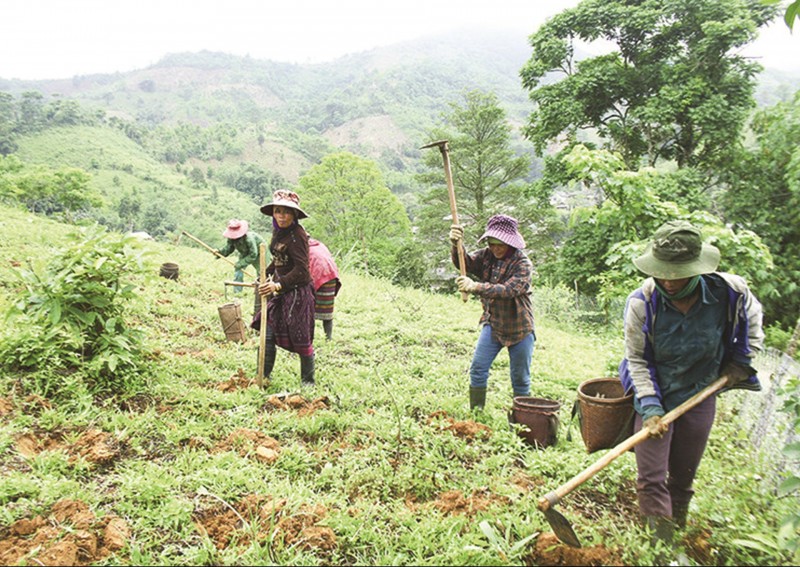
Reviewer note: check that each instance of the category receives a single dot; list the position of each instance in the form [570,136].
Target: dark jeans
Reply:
[667,466]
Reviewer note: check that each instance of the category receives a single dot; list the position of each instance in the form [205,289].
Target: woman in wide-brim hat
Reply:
[686,326]
[502,275]
[289,287]
[246,243]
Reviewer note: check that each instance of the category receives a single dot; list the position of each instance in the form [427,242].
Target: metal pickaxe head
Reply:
[441,144]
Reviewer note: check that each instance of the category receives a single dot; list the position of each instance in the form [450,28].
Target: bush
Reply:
[71,318]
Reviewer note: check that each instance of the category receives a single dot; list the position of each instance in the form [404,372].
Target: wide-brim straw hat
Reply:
[677,252]
[284,198]
[504,228]
[236,229]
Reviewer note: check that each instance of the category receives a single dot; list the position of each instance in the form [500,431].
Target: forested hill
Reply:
[378,103]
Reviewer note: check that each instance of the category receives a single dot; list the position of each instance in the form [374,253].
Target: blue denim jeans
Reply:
[519,356]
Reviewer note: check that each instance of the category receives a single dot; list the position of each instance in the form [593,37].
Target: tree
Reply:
[486,172]
[674,88]
[597,257]
[763,195]
[350,208]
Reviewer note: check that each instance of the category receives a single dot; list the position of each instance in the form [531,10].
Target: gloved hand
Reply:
[736,373]
[465,284]
[656,427]
[456,233]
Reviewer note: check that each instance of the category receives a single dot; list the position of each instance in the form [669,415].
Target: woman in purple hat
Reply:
[503,274]
[290,310]
[246,243]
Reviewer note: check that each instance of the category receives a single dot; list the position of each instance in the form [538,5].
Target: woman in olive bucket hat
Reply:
[503,274]
[684,327]
[290,310]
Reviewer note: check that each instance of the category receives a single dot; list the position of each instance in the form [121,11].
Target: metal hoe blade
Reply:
[559,524]
[561,527]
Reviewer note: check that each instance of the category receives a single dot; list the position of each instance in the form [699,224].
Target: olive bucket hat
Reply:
[677,252]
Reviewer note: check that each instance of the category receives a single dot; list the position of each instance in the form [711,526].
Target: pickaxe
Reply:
[448,175]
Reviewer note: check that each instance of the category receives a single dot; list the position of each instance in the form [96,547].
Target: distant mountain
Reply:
[379,103]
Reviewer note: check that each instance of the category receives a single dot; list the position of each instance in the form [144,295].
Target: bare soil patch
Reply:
[550,551]
[264,517]
[468,429]
[70,535]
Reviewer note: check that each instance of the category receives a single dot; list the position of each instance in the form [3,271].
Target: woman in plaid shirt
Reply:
[503,274]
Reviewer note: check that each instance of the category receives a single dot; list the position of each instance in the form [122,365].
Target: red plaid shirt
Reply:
[504,287]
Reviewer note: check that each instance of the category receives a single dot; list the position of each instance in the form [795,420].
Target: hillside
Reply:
[381,463]
[380,103]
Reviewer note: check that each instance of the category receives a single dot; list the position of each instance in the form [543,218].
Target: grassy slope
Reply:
[380,459]
[119,167]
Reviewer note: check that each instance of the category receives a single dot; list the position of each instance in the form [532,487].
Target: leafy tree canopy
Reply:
[673,89]
[351,209]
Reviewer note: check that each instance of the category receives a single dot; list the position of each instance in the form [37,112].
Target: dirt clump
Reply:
[70,535]
[468,429]
[95,446]
[550,551]
[238,381]
[250,443]
[454,502]
[296,402]
[227,524]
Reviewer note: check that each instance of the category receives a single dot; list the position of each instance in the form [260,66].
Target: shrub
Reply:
[71,317]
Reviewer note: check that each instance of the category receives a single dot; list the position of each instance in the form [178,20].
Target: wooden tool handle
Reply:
[262,334]
[454,211]
[213,251]
[552,498]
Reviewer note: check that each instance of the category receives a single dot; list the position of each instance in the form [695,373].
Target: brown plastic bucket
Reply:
[232,324]
[540,418]
[605,413]
[169,270]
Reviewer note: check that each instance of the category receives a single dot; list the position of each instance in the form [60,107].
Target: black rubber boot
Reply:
[477,397]
[327,326]
[679,514]
[661,527]
[270,351]
[307,370]
[661,530]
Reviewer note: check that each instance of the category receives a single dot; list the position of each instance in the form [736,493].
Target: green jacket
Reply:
[247,247]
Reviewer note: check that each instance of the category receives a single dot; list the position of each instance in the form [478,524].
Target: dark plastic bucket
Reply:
[540,418]
[169,270]
[605,413]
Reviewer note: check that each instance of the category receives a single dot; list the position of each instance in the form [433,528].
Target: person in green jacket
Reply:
[246,243]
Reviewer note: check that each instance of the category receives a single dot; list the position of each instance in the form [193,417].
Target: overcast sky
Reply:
[54,39]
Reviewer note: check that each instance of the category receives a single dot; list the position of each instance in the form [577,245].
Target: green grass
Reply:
[377,462]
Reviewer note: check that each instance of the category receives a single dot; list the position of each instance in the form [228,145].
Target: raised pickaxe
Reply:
[448,175]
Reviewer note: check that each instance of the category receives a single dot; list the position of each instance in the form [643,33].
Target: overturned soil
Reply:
[267,520]
[468,429]
[550,551]
[70,534]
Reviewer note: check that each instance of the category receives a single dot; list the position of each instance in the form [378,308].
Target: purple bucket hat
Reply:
[504,229]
